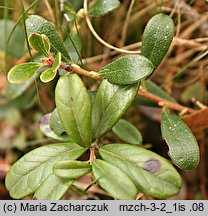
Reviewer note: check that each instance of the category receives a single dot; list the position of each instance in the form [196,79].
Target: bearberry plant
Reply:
[82,118]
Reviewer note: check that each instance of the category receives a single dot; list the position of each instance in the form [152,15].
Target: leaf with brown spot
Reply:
[152,174]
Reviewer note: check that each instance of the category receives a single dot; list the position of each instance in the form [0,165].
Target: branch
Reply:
[162,102]
[77,69]
[142,92]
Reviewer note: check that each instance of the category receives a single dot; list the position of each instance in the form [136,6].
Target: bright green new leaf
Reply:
[49,132]
[38,25]
[52,188]
[71,169]
[151,87]
[110,103]
[55,123]
[127,132]
[50,73]
[102,7]
[127,70]
[22,72]
[157,37]
[183,147]
[74,108]
[152,174]
[114,180]
[30,171]
[40,43]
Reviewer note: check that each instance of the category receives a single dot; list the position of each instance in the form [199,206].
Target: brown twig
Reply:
[162,102]
[142,93]
[92,154]
[77,69]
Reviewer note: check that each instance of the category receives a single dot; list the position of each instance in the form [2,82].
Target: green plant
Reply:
[81,120]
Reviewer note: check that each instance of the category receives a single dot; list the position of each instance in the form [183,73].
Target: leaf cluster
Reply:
[79,123]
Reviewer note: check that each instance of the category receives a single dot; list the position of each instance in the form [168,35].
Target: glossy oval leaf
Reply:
[40,43]
[102,7]
[57,189]
[50,73]
[127,70]
[157,37]
[23,72]
[110,103]
[152,174]
[127,132]
[38,25]
[55,123]
[71,169]
[183,147]
[74,108]
[153,88]
[29,172]
[48,132]
[114,180]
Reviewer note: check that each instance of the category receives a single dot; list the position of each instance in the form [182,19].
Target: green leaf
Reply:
[152,174]
[16,43]
[71,169]
[74,45]
[183,147]
[127,132]
[47,131]
[57,189]
[110,103]
[38,25]
[102,7]
[156,90]
[50,73]
[114,180]
[55,123]
[23,72]
[29,172]
[40,43]
[157,37]
[74,108]
[127,70]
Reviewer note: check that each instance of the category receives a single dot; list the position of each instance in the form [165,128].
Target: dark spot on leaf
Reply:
[71,98]
[45,120]
[47,130]
[152,165]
